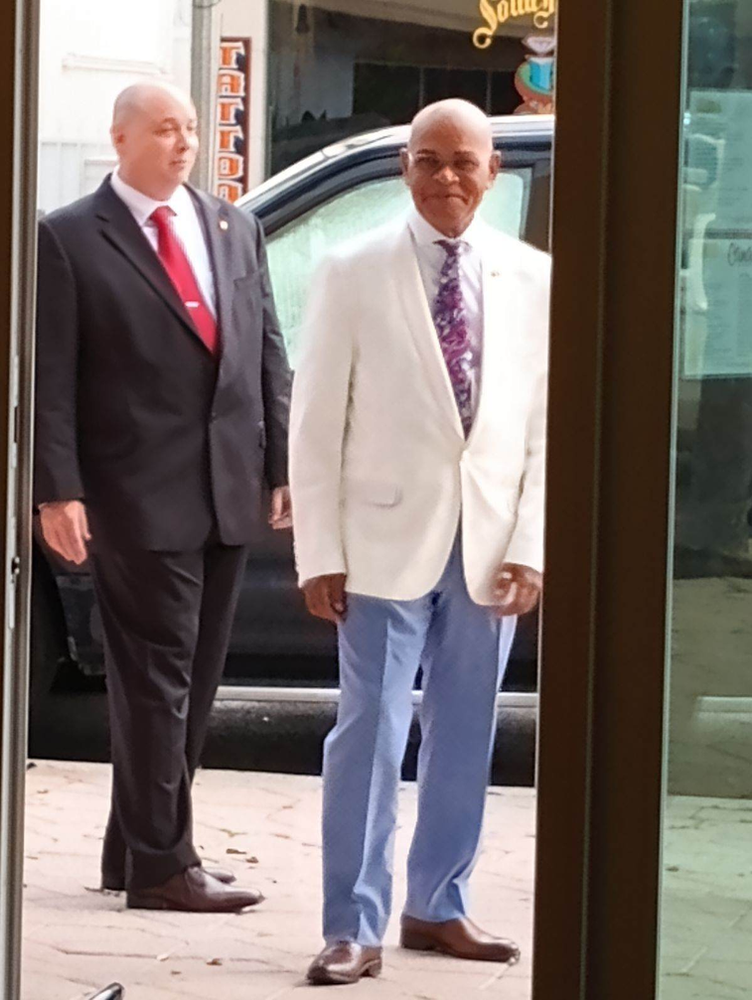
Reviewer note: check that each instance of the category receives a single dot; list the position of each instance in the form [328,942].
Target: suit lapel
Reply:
[218,233]
[500,322]
[421,326]
[121,229]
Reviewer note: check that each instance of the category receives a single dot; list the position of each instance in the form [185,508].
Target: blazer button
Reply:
[213,414]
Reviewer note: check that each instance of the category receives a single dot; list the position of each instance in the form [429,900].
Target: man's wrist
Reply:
[58,503]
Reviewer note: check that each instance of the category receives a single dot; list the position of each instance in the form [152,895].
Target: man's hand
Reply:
[280,513]
[65,528]
[517,589]
[325,597]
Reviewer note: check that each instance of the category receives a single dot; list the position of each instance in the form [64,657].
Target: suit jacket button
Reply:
[213,414]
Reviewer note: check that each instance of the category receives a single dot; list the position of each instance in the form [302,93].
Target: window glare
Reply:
[295,250]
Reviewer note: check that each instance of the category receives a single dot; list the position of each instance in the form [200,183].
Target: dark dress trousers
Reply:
[168,446]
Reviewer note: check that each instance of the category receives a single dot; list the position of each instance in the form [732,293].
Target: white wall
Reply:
[249,19]
[89,51]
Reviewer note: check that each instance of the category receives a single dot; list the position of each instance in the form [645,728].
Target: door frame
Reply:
[19,39]
[610,490]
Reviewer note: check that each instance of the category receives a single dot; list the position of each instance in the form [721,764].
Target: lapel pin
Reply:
[224,225]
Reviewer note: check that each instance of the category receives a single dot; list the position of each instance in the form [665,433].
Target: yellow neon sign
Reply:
[496,13]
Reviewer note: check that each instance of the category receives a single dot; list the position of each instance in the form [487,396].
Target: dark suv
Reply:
[305,209]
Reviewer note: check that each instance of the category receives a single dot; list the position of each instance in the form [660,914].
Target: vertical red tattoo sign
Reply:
[233,117]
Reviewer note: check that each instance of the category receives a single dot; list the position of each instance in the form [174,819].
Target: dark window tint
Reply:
[471,85]
[504,96]
[390,91]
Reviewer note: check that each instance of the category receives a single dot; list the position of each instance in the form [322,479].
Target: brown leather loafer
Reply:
[116,883]
[195,891]
[460,938]
[344,962]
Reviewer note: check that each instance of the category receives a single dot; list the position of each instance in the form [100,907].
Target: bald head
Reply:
[453,114]
[154,132]
[450,163]
[141,98]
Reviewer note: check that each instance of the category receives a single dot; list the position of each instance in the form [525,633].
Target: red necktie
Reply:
[180,272]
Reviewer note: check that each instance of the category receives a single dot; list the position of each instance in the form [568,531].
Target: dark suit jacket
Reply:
[133,414]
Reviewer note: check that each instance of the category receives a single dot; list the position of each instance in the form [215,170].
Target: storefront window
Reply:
[339,67]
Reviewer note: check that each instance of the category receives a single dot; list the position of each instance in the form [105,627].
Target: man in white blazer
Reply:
[417,468]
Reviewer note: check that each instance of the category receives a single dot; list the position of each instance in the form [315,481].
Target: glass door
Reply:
[611,481]
[652,348]
[707,876]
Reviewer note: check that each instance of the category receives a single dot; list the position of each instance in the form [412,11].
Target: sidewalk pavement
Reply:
[266,828]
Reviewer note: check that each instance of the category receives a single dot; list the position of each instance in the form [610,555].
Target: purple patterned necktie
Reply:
[451,327]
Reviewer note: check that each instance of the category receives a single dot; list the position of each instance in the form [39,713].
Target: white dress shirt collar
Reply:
[187,226]
[425,234]
[141,205]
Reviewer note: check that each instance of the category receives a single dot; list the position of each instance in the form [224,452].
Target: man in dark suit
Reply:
[162,407]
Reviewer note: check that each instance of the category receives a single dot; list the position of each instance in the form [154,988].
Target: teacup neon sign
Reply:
[496,13]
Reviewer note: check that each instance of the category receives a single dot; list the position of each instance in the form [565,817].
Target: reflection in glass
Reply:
[707,898]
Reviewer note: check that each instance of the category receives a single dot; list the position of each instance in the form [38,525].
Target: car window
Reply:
[505,206]
[295,249]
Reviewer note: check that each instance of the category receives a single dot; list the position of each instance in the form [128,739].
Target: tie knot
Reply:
[161,216]
[452,248]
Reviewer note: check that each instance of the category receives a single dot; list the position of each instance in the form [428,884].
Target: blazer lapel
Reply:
[121,229]
[420,323]
[217,225]
[500,323]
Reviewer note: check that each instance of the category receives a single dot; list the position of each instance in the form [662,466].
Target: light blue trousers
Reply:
[463,649]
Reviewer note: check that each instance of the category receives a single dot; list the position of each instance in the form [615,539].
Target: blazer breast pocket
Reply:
[371,491]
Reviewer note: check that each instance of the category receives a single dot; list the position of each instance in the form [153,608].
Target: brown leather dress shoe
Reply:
[460,938]
[344,962]
[195,891]
[116,883]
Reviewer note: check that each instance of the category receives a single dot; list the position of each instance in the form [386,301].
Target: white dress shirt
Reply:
[187,227]
[431,259]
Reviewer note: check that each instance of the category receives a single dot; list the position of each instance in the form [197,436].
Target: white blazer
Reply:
[380,471]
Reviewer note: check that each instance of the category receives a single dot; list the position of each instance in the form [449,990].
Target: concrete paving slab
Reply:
[266,828]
